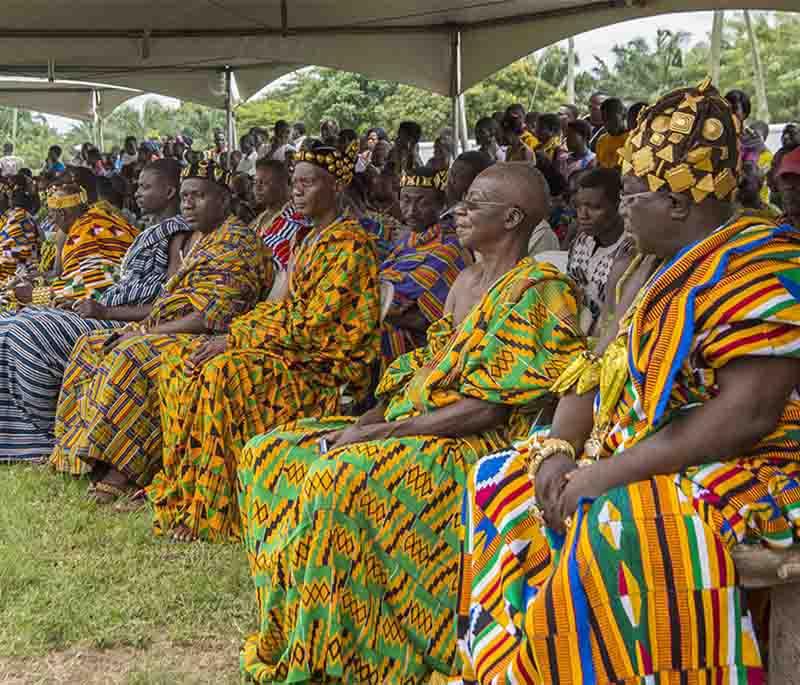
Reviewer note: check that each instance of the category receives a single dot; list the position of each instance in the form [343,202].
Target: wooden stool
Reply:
[760,567]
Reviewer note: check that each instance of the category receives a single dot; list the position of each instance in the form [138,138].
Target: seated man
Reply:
[287,358]
[787,178]
[35,345]
[423,266]
[354,552]
[278,221]
[579,157]
[108,414]
[690,446]
[465,169]
[600,238]
[611,142]
[19,234]
[548,133]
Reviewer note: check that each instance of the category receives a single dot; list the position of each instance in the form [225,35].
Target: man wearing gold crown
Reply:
[288,358]
[351,527]
[423,266]
[616,568]
[108,411]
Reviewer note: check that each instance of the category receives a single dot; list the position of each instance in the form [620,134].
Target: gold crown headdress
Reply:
[422,178]
[208,170]
[57,201]
[688,142]
[340,166]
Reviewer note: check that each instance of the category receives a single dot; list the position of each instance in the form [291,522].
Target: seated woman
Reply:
[287,358]
[19,234]
[354,551]
[601,235]
[423,266]
[108,412]
[691,445]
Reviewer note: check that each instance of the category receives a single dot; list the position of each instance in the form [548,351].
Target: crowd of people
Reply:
[498,418]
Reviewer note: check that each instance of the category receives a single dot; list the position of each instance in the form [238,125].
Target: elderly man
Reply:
[616,567]
[287,358]
[351,527]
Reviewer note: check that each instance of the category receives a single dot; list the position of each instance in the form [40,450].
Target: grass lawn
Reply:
[90,596]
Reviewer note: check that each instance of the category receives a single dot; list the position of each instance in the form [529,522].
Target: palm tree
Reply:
[571,70]
[716,45]
[762,106]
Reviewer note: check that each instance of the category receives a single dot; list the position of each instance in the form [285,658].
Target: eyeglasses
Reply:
[630,197]
[475,204]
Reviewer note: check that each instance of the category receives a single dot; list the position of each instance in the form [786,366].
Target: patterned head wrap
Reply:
[340,166]
[424,177]
[208,170]
[57,200]
[687,142]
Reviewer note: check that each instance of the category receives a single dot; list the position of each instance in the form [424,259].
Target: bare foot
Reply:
[182,533]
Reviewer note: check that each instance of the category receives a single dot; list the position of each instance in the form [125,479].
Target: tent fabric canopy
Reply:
[179,48]
[72,100]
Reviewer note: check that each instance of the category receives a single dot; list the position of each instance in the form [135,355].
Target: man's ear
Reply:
[680,206]
[514,218]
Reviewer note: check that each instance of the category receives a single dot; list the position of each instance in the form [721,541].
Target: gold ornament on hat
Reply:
[660,124]
[680,145]
[712,129]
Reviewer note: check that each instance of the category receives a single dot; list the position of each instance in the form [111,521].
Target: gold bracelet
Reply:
[547,449]
[42,296]
[582,373]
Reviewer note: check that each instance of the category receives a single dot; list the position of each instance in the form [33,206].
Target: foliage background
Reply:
[638,70]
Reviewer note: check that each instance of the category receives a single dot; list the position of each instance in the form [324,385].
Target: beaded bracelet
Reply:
[42,296]
[547,448]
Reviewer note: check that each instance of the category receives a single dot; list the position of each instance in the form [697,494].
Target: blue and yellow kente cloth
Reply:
[644,590]
[422,268]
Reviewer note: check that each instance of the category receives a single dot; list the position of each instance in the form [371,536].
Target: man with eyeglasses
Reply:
[364,514]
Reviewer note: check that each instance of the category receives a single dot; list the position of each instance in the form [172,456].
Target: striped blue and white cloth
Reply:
[36,343]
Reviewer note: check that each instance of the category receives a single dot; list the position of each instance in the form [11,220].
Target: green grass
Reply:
[74,574]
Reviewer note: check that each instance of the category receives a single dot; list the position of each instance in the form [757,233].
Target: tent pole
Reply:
[100,121]
[229,130]
[455,91]
[94,118]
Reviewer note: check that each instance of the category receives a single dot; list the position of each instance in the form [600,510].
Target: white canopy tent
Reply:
[72,100]
[83,101]
[174,47]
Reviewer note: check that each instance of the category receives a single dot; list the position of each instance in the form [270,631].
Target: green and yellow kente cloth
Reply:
[644,588]
[108,410]
[285,359]
[354,553]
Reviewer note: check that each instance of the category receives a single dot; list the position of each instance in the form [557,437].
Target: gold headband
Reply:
[437,181]
[208,170]
[680,143]
[340,166]
[55,201]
